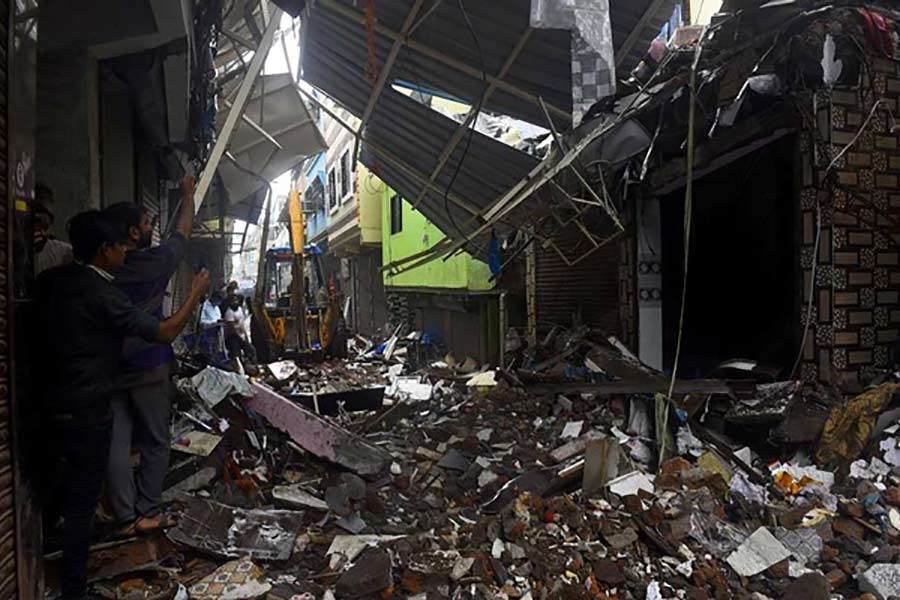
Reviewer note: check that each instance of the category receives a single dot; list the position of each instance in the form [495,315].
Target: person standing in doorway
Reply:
[82,320]
[141,412]
[49,252]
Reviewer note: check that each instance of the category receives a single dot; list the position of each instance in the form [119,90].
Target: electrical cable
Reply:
[478,106]
[688,204]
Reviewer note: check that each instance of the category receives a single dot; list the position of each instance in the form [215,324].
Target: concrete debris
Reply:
[882,580]
[516,490]
[198,443]
[292,496]
[371,574]
[758,552]
[349,547]
[630,484]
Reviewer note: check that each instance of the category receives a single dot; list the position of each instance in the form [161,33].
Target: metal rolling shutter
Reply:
[7,479]
[590,287]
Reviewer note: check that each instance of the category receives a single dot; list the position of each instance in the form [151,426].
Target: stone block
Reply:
[887,142]
[860,278]
[860,317]
[886,182]
[859,238]
[848,178]
[846,338]
[846,298]
[886,336]
[859,159]
[888,297]
[860,357]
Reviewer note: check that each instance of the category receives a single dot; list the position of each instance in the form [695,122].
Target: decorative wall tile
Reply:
[867,337]
[839,358]
[867,258]
[867,298]
[881,356]
[840,318]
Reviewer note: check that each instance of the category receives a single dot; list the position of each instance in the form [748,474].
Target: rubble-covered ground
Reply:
[530,482]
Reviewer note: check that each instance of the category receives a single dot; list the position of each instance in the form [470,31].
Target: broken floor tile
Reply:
[236,580]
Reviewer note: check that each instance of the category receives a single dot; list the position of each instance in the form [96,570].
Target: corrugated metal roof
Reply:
[541,69]
[405,138]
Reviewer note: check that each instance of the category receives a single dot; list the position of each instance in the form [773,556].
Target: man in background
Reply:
[237,328]
[49,252]
[141,412]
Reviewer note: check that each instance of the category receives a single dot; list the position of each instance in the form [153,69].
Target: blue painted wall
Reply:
[317,222]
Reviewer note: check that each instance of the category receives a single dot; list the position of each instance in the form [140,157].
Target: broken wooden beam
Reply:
[692,386]
[316,435]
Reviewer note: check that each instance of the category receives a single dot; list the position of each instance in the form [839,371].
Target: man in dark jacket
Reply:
[82,322]
[141,412]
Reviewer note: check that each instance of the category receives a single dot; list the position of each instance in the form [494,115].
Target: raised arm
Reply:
[186,218]
[171,327]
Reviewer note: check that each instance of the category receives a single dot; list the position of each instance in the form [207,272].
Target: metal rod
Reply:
[253,70]
[457,137]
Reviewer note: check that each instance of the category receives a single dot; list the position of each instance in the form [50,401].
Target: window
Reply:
[332,189]
[345,175]
[396,214]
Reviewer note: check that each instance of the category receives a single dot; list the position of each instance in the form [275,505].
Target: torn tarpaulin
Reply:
[214,385]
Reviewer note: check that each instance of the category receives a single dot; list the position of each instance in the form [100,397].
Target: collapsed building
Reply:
[703,267]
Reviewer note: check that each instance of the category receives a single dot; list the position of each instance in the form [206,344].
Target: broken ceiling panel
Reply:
[275,114]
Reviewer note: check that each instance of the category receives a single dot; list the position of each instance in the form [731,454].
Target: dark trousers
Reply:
[238,347]
[141,420]
[84,450]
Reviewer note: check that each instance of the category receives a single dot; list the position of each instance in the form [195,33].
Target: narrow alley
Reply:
[450,300]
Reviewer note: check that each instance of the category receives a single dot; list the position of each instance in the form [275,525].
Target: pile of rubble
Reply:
[363,478]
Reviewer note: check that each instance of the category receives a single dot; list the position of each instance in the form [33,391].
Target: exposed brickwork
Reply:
[856,301]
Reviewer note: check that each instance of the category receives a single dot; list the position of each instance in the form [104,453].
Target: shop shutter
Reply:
[7,479]
[590,288]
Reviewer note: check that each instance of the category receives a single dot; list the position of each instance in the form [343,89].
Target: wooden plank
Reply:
[692,386]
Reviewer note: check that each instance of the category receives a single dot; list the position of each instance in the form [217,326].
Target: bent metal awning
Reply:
[275,134]
[514,68]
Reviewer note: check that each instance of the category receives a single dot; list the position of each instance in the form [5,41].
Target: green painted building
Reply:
[454,300]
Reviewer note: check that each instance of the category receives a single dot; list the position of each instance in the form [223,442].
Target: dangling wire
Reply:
[478,105]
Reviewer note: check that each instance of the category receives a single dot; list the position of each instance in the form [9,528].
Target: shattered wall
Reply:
[855,306]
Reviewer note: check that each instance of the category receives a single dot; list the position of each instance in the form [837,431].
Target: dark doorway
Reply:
[743,297]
